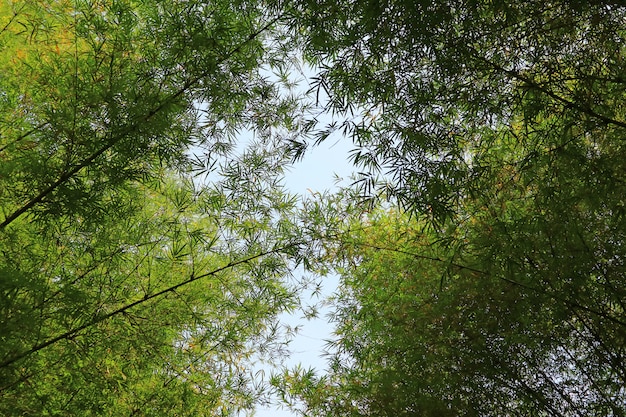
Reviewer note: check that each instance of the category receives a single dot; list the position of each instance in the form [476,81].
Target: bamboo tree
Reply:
[126,287]
[498,129]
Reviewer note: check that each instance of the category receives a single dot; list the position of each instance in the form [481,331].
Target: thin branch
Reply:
[121,135]
[550,294]
[64,178]
[24,135]
[535,85]
[11,20]
[428,258]
[99,319]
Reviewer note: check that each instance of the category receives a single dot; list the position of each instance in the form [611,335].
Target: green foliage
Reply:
[145,312]
[490,284]
[514,312]
[421,84]
[497,285]
[125,287]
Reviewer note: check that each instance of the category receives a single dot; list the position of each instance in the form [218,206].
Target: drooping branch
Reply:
[425,257]
[24,135]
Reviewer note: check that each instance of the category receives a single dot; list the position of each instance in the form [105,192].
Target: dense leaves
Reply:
[498,127]
[516,311]
[421,82]
[145,252]
[126,288]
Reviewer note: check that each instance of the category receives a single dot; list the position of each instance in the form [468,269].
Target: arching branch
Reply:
[99,319]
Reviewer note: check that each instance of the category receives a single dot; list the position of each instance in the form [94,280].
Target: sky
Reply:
[318,171]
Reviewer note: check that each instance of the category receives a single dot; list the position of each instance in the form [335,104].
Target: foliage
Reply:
[421,84]
[518,311]
[126,288]
[496,286]
[490,282]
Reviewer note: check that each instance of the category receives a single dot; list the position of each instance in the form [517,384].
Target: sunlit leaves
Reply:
[147,298]
[128,288]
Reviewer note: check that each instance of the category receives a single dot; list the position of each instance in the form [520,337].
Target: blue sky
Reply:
[316,172]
